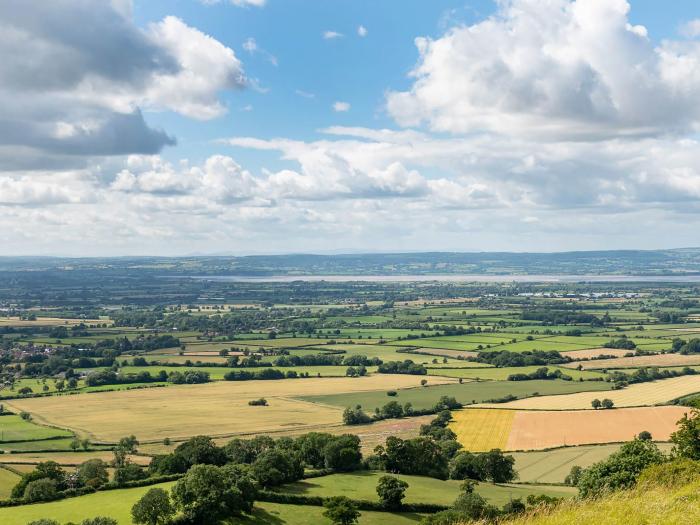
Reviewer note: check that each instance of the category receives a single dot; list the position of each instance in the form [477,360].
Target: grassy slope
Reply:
[655,505]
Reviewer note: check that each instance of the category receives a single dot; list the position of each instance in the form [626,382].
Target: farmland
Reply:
[167,373]
[643,394]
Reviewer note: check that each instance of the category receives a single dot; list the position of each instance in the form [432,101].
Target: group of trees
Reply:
[402,367]
[605,403]
[646,374]
[622,343]
[111,377]
[393,410]
[504,358]
[540,373]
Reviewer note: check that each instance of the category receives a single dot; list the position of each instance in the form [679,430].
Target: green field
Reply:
[468,392]
[8,479]
[362,485]
[501,374]
[117,504]
[552,466]
[14,428]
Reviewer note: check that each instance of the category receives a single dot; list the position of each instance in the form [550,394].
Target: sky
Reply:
[180,127]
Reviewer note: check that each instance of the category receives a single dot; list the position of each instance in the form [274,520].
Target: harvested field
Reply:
[552,466]
[217,409]
[638,361]
[480,430]
[637,395]
[534,430]
[442,352]
[593,352]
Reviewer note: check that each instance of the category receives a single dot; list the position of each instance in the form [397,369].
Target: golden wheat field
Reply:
[480,430]
[217,409]
[641,394]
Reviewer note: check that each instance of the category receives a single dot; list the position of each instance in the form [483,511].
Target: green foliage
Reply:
[574,476]
[686,440]
[341,511]
[621,469]
[355,416]
[391,491]
[154,508]
[93,473]
[43,489]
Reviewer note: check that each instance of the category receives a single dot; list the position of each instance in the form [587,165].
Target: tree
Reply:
[621,469]
[342,453]
[44,521]
[43,489]
[574,475]
[341,510]
[596,404]
[686,440]
[206,495]
[93,473]
[44,470]
[355,416]
[99,520]
[275,467]
[129,472]
[498,467]
[129,444]
[608,403]
[201,450]
[466,465]
[154,508]
[645,435]
[391,491]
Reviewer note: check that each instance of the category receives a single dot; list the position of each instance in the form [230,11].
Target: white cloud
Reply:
[305,94]
[341,107]
[362,31]
[331,35]
[553,69]
[238,3]
[81,93]
[252,47]
[691,29]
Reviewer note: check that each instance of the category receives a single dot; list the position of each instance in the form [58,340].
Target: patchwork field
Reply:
[466,393]
[219,408]
[552,466]
[501,374]
[640,394]
[14,428]
[534,430]
[639,361]
[480,430]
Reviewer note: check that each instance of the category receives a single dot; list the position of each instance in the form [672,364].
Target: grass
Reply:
[468,392]
[421,489]
[46,444]
[552,466]
[8,479]
[640,394]
[14,428]
[218,408]
[647,505]
[482,430]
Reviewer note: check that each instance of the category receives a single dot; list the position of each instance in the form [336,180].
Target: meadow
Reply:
[466,393]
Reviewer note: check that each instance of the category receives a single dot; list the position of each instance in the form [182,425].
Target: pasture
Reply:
[501,374]
[466,393]
[362,485]
[14,428]
[8,479]
[635,395]
[552,466]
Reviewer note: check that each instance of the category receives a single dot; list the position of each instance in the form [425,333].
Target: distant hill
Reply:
[619,262]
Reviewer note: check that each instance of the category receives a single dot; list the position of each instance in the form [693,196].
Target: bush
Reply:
[391,491]
[341,511]
[154,508]
[40,490]
[262,402]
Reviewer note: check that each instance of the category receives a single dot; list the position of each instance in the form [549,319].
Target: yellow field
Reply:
[50,321]
[217,409]
[480,430]
[638,361]
[641,394]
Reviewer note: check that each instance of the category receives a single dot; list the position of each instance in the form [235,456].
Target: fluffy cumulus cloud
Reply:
[72,92]
[562,126]
[560,68]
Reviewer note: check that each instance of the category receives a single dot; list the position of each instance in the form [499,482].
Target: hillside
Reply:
[645,505]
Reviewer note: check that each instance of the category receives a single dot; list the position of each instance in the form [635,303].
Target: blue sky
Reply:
[351,68]
[273,126]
